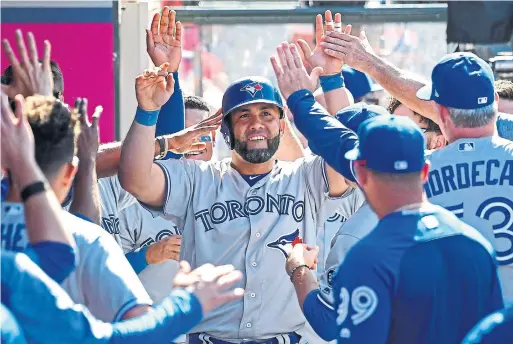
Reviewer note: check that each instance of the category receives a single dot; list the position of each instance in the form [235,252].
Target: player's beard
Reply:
[258,155]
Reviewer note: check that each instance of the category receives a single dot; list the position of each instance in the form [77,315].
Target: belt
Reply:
[201,338]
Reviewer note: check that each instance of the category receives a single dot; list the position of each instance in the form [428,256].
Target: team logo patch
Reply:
[286,242]
[252,88]
[466,147]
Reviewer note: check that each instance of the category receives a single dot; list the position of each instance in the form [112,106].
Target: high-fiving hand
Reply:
[154,87]
[30,76]
[89,139]
[212,285]
[290,71]
[318,57]
[165,44]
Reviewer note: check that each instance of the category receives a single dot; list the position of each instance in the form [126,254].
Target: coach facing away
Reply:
[422,275]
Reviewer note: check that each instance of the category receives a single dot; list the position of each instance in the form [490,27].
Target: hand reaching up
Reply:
[154,87]
[164,40]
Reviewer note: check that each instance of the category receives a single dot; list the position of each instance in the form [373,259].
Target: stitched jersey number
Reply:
[501,230]
[363,300]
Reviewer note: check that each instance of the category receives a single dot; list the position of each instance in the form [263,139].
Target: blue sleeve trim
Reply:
[320,315]
[137,259]
[329,138]
[172,117]
[83,217]
[56,259]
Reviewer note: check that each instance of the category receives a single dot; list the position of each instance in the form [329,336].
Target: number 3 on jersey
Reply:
[363,301]
[502,230]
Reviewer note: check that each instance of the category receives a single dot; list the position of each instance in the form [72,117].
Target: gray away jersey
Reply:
[103,281]
[474,179]
[113,200]
[226,221]
[352,201]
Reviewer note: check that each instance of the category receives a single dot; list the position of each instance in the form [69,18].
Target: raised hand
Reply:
[184,141]
[165,249]
[212,285]
[318,57]
[290,71]
[302,254]
[355,51]
[17,145]
[165,44]
[154,87]
[89,139]
[30,76]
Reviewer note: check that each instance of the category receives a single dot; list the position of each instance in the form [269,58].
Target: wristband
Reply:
[147,118]
[32,189]
[294,270]
[331,82]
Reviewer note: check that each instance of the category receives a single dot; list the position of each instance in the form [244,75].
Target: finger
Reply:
[96,116]
[46,55]
[217,117]
[288,55]
[164,66]
[185,267]
[164,21]
[319,32]
[229,278]
[19,113]
[197,147]
[347,29]
[170,82]
[282,57]
[179,32]
[83,110]
[298,62]
[329,21]
[155,24]
[7,115]
[172,25]
[22,49]
[305,47]
[32,49]
[276,67]
[332,36]
[338,22]
[363,36]
[342,48]
[316,73]
[231,295]
[10,54]
[336,54]
[149,40]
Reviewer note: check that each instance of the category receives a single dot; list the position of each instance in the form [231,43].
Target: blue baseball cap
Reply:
[461,81]
[354,115]
[358,83]
[390,144]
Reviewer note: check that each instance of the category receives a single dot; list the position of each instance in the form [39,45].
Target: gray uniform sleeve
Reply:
[112,192]
[316,181]
[130,227]
[355,228]
[109,282]
[179,175]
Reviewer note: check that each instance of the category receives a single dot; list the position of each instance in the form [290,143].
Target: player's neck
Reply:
[473,133]
[397,201]
[13,195]
[247,168]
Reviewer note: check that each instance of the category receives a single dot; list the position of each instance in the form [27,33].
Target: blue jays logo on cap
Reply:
[286,242]
[252,88]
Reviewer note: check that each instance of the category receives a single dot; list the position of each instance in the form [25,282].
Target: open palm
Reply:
[153,88]
[164,40]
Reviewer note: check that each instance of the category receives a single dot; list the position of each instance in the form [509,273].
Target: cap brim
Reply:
[376,87]
[353,154]
[425,92]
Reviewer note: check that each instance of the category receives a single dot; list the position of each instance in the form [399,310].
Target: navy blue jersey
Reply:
[497,328]
[421,276]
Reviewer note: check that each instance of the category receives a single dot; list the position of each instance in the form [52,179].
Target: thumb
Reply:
[170,82]
[185,267]
[316,72]
[305,48]
[164,66]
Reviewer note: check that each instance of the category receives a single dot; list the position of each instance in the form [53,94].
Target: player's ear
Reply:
[424,173]
[361,172]
[496,97]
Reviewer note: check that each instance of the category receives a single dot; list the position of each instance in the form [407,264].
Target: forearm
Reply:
[136,160]
[86,194]
[304,282]
[329,137]
[42,211]
[337,99]
[401,85]
[176,315]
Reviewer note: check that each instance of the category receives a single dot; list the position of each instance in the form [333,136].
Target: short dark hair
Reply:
[196,103]
[58,79]
[55,129]
[431,125]
[504,89]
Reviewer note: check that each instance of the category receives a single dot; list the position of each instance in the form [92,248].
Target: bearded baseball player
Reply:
[248,210]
